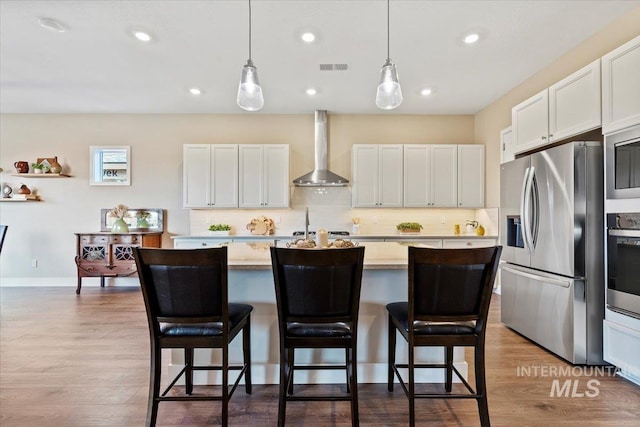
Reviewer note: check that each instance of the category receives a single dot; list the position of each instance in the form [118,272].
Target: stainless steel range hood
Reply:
[320,176]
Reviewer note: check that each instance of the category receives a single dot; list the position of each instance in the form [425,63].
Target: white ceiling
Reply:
[97,67]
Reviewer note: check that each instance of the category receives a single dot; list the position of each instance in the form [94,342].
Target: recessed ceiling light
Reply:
[142,35]
[471,38]
[311,91]
[195,91]
[425,92]
[52,24]
[308,37]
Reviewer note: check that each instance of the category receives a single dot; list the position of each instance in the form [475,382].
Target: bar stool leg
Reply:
[449,369]
[481,386]
[188,373]
[392,354]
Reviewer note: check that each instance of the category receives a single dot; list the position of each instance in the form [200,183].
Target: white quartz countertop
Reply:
[371,237]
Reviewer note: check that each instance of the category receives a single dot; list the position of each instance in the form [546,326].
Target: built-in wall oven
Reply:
[623,263]
[622,164]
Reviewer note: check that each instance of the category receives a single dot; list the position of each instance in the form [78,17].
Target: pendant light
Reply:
[389,94]
[249,91]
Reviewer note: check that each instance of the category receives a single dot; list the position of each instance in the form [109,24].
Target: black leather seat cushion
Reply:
[236,313]
[400,312]
[337,329]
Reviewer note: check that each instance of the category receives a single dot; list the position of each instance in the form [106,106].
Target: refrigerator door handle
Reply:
[559,282]
[524,208]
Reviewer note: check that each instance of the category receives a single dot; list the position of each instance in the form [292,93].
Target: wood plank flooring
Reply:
[68,360]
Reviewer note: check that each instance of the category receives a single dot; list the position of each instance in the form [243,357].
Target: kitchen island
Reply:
[251,281]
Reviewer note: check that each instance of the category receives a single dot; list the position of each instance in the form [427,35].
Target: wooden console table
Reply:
[105,254]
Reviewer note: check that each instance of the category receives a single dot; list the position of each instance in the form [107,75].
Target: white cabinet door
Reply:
[444,176]
[251,173]
[364,174]
[470,176]
[390,175]
[264,176]
[377,175]
[224,176]
[210,176]
[530,122]
[507,145]
[417,176]
[196,176]
[621,87]
[276,176]
[574,103]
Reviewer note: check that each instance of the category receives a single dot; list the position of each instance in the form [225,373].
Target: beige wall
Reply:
[497,116]
[44,231]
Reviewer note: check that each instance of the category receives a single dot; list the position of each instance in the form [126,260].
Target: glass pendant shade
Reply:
[389,94]
[249,91]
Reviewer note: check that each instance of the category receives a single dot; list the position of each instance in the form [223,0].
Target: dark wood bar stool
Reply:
[186,298]
[449,296]
[318,298]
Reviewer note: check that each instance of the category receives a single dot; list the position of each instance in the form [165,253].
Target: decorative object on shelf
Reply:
[55,166]
[24,190]
[471,226]
[119,225]
[389,95]
[480,231]
[6,191]
[409,227]
[142,219]
[456,229]
[262,226]
[250,96]
[41,167]
[21,167]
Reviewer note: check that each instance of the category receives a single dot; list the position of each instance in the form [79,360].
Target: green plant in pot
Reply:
[142,219]
[409,227]
[40,167]
[220,228]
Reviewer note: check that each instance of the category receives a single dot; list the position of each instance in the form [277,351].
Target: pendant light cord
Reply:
[388,56]
[249,29]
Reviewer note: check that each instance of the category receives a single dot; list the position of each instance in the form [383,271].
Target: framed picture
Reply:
[138,219]
[110,165]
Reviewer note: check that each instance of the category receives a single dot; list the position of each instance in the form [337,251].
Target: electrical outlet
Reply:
[277,220]
[443,220]
[34,263]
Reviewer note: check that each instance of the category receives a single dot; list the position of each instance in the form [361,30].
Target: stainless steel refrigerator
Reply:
[552,275]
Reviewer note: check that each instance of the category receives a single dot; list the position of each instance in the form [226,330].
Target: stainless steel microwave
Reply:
[622,164]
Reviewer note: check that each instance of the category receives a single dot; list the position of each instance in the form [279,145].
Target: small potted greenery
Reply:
[219,229]
[409,227]
[40,167]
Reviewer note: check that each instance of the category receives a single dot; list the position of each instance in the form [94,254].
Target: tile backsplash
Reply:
[330,208]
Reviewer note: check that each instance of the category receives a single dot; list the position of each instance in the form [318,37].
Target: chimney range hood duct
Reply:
[320,176]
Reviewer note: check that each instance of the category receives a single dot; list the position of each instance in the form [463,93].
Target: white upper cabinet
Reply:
[507,145]
[263,176]
[417,176]
[567,108]
[574,103]
[210,176]
[530,122]
[377,175]
[444,176]
[470,176]
[621,87]
[430,178]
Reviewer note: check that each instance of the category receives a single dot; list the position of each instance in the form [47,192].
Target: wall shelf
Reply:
[41,175]
[19,200]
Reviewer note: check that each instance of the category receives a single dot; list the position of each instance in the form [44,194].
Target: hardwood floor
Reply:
[68,360]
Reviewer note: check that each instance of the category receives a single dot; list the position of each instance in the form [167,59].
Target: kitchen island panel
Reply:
[379,287]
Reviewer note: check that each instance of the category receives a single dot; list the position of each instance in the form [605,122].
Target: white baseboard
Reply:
[63,281]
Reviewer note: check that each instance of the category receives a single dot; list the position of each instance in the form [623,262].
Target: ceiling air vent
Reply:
[334,67]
